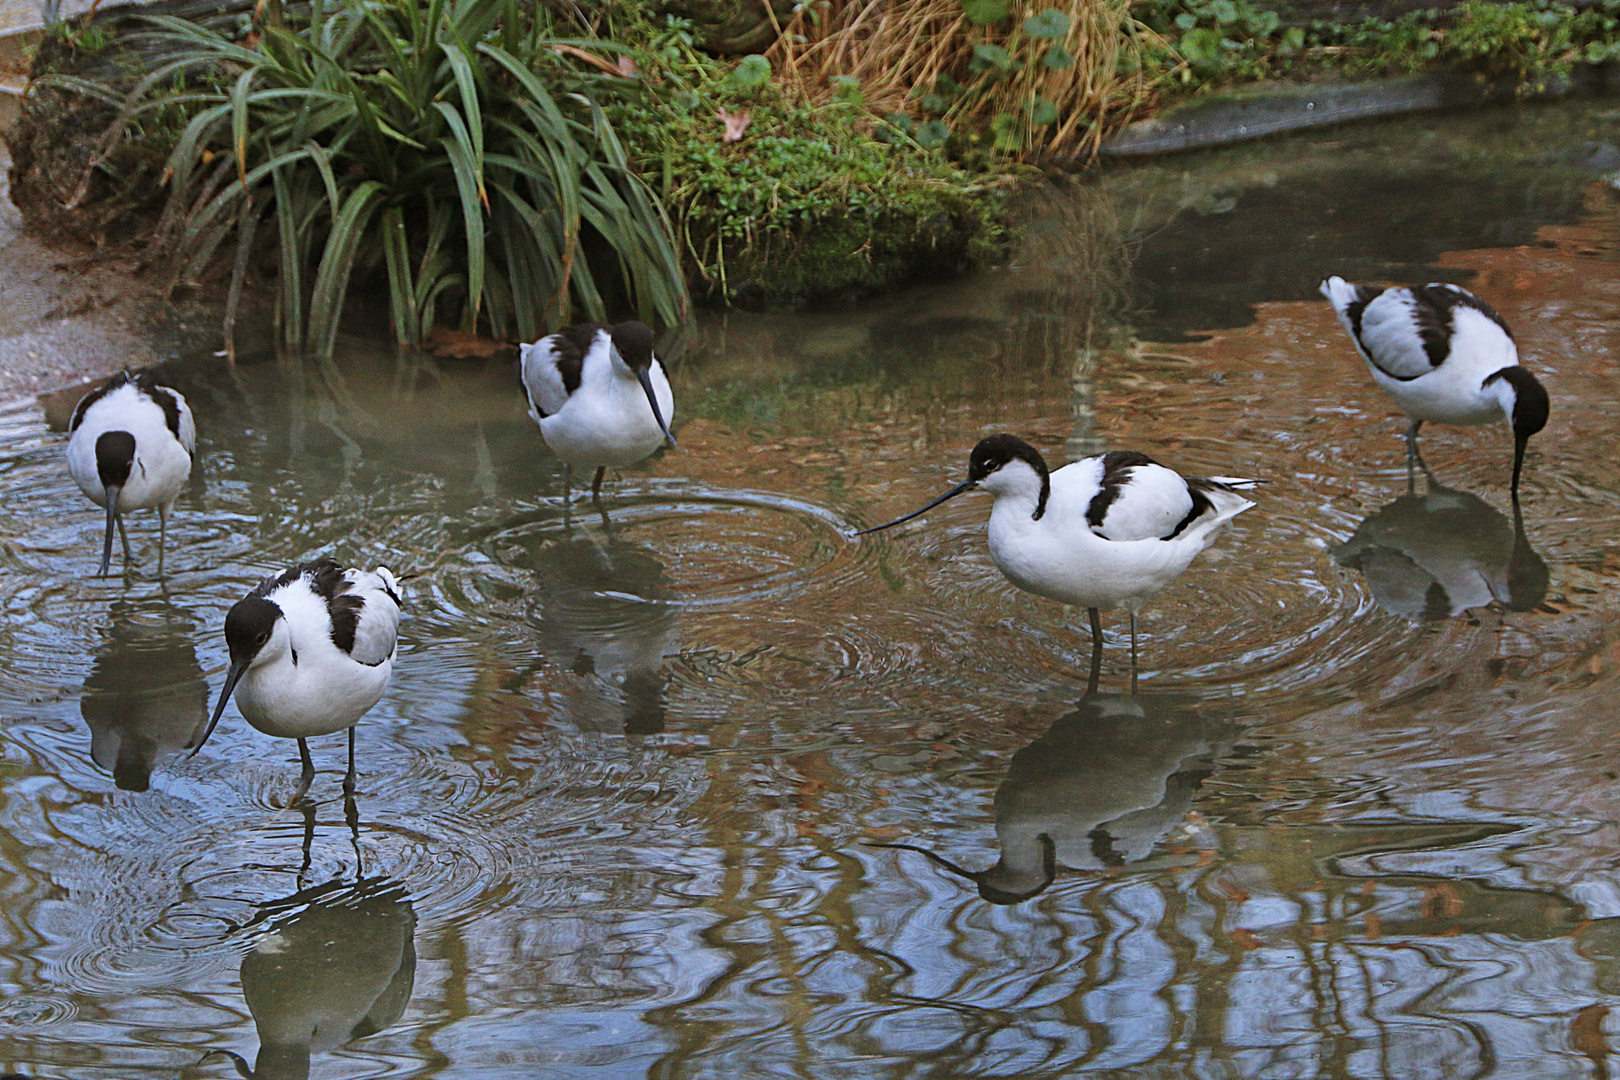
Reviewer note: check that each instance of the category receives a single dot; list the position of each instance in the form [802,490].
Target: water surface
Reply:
[619,815]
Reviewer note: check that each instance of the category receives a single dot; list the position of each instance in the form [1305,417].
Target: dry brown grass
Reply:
[898,49]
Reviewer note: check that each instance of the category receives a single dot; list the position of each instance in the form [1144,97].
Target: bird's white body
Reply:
[1061,556]
[163,443]
[302,683]
[1433,350]
[590,405]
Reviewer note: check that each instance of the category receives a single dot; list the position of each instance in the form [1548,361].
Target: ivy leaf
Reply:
[1186,20]
[990,58]
[984,12]
[754,71]
[1058,58]
[1225,11]
[932,134]
[1009,132]
[1043,112]
[1048,25]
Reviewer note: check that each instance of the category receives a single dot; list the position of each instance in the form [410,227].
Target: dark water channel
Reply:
[617,813]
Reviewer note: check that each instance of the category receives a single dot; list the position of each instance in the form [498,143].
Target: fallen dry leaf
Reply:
[736,123]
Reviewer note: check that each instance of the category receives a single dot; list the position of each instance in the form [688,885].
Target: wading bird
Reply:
[600,396]
[312,651]
[129,448]
[1444,355]
[1102,532]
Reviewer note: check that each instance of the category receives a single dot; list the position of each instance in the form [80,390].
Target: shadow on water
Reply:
[1439,554]
[145,698]
[1099,790]
[330,964]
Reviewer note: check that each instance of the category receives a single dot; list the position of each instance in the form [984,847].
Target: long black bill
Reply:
[112,523]
[937,859]
[1519,443]
[236,673]
[966,485]
[652,399]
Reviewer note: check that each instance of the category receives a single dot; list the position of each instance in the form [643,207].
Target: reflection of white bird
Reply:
[1443,354]
[599,394]
[145,697]
[1103,532]
[607,611]
[1100,789]
[340,969]
[1439,554]
[313,650]
[130,448]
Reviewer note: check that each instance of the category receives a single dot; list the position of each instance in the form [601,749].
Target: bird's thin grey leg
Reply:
[348,777]
[163,535]
[596,484]
[1133,654]
[568,482]
[351,815]
[1096,651]
[309,842]
[306,777]
[1412,458]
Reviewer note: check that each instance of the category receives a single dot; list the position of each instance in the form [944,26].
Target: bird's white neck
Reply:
[1016,485]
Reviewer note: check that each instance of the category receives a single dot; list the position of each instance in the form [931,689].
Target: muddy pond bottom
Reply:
[629,808]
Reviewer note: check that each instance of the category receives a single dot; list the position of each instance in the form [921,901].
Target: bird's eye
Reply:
[262,638]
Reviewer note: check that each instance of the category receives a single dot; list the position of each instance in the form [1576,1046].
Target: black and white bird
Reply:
[311,652]
[599,394]
[1102,532]
[1444,355]
[129,448]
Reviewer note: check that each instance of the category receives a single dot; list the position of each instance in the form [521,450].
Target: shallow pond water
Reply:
[619,813]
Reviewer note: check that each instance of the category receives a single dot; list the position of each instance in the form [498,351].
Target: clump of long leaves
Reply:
[442,141]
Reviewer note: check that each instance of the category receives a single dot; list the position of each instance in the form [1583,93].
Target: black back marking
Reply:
[1531,406]
[327,580]
[162,395]
[994,451]
[1435,311]
[1102,848]
[115,455]
[1365,294]
[1117,466]
[1201,505]
[571,344]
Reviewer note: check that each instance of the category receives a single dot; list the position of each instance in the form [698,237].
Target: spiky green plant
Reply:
[443,142]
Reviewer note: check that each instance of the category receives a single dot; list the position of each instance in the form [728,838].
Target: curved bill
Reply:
[112,522]
[652,399]
[939,860]
[966,485]
[231,679]
[1519,443]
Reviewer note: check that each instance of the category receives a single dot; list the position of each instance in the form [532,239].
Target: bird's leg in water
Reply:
[1133,654]
[306,777]
[351,815]
[348,777]
[1096,651]
[1412,458]
[568,483]
[309,842]
[163,535]
[596,483]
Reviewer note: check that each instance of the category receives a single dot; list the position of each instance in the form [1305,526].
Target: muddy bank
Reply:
[69,313]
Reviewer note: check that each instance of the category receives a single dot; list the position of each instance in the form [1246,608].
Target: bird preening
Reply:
[1444,355]
[311,651]
[600,396]
[129,448]
[1103,532]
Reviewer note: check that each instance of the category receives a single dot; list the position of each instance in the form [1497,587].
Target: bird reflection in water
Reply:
[146,697]
[1436,555]
[604,608]
[1099,790]
[336,963]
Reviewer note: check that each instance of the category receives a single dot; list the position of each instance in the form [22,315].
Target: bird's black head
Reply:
[1531,406]
[248,626]
[634,341]
[996,451]
[115,456]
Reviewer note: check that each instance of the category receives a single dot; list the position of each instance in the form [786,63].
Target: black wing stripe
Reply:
[1117,466]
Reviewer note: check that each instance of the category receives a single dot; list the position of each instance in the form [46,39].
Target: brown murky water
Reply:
[617,812]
